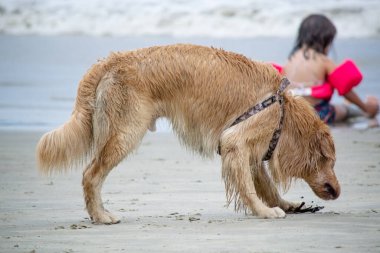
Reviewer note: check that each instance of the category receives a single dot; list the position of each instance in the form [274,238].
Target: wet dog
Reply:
[201,91]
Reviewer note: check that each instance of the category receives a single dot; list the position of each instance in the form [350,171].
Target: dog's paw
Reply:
[105,217]
[288,206]
[272,213]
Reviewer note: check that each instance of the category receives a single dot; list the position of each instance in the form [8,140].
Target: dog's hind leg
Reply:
[237,175]
[116,148]
[93,178]
[120,121]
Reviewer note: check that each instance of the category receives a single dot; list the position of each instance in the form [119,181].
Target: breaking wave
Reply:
[223,18]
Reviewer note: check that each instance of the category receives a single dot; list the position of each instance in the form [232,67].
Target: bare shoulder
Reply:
[328,64]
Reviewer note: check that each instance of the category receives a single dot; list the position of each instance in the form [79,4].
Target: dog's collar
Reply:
[278,97]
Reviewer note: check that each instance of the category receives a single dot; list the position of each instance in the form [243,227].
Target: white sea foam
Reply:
[223,18]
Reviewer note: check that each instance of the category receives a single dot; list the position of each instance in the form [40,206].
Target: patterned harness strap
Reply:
[276,134]
[278,97]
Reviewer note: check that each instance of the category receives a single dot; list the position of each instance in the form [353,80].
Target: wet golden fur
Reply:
[201,91]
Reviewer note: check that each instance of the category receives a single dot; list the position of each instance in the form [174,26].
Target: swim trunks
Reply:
[325,111]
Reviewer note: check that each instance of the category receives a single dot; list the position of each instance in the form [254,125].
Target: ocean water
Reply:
[46,46]
[39,75]
[212,18]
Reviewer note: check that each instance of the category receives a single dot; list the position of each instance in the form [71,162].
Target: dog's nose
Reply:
[328,188]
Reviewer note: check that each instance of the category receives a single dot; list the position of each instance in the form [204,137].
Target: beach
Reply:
[170,200]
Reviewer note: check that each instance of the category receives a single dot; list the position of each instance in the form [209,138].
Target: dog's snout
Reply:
[328,188]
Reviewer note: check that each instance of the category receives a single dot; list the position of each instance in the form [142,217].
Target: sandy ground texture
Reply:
[173,201]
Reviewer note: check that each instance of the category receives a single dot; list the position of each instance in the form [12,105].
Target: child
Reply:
[315,76]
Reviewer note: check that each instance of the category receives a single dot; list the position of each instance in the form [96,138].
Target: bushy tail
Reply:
[70,144]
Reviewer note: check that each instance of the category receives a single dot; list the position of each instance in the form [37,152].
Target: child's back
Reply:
[307,68]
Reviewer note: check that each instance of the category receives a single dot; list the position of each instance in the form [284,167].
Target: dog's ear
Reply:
[326,143]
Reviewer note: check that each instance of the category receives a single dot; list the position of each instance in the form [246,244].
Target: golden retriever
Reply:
[201,91]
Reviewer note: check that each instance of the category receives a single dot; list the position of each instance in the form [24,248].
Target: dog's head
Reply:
[320,173]
[306,150]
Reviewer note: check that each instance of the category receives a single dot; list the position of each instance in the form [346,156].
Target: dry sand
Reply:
[172,201]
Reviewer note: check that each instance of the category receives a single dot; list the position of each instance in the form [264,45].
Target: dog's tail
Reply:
[70,144]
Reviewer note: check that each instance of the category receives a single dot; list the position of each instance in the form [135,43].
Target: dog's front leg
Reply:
[239,184]
[267,190]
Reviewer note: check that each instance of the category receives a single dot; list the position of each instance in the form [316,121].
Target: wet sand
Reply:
[170,200]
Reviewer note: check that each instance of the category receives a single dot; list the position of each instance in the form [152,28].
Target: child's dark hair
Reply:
[315,32]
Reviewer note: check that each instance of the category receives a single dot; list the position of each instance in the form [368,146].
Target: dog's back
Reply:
[201,90]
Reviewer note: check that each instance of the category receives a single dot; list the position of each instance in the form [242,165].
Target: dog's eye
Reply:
[323,159]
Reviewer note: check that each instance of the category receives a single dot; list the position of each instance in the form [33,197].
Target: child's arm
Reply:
[352,97]
[371,106]
[330,65]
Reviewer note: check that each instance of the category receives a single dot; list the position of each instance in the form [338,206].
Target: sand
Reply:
[170,200]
